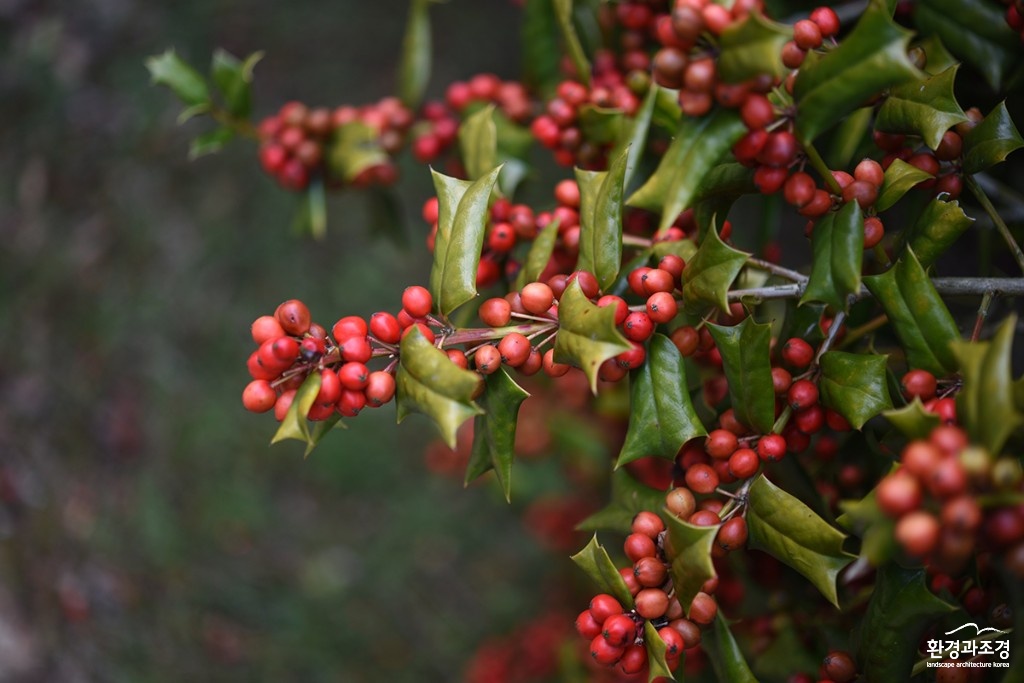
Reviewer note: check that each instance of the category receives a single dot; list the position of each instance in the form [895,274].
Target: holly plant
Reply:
[815,439]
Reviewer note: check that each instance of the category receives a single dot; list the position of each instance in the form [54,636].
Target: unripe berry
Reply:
[680,502]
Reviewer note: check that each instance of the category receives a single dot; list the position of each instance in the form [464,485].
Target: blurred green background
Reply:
[147,531]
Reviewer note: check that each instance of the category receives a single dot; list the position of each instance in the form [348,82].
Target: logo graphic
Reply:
[970,646]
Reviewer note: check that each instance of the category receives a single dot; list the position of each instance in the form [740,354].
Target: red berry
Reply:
[587,626]
[259,396]
[293,317]
[380,388]
[807,34]
[827,20]
[638,326]
[771,447]
[917,532]
[638,545]
[603,606]
[619,630]
[603,652]
[920,384]
[266,327]
[651,603]
[648,524]
[802,394]
[898,493]
[744,463]
[416,301]
[797,353]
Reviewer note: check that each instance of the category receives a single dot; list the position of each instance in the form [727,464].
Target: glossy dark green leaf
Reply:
[727,659]
[864,519]
[478,141]
[594,560]
[601,125]
[752,47]
[746,360]
[210,142]
[900,177]
[927,108]
[854,385]
[563,12]
[587,335]
[699,145]
[539,255]
[940,224]
[417,54]
[975,32]
[656,665]
[634,136]
[294,424]
[691,564]
[354,147]
[709,274]
[851,141]
[428,382]
[494,431]
[991,141]
[601,221]
[725,181]
[985,405]
[790,531]
[918,315]
[913,421]
[667,113]
[661,415]
[463,216]
[539,46]
[789,651]
[938,57]
[838,244]
[171,70]
[233,78]
[900,610]
[872,58]
[628,497]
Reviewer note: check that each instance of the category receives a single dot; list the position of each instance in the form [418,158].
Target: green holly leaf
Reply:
[927,108]
[210,142]
[463,216]
[563,13]
[901,609]
[975,32]
[699,145]
[628,497]
[428,382]
[690,565]
[594,561]
[752,47]
[838,244]
[709,274]
[725,182]
[601,125]
[936,229]
[354,147]
[171,70]
[417,54]
[601,221]
[539,255]
[985,405]
[478,141]
[726,657]
[661,416]
[991,141]
[634,137]
[864,519]
[494,430]
[918,315]
[746,360]
[587,335]
[854,385]
[233,79]
[539,47]
[913,421]
[899,178]
[295,426]
[657,667]
[868,61]
[791,532]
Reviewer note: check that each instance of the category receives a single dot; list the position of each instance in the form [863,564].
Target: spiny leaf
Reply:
[927,108]
[463,216]
[699,145]
[726,657]
[417,52]
[478,141]
[661,415]
[838,244]
[634,137]
[171,70]
[985,404]
[917,313]
[709,274]
[752,47]
[594,560]
[790,531]
[940,224]
[872,58]
[587,335]
[429,383]
[900,610]
[601,221]
[913,421]
[233,79]
[991,141]
[864,519]
[628,497]
[854,385]
[899,178]
[746,360]
[294,425]
[657,667]
[354,147]
[690,562]
[494,431]
[539,255]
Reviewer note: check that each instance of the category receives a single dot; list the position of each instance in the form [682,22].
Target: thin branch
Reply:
[1001,226]
[776,269]
[986,303]
[823,170]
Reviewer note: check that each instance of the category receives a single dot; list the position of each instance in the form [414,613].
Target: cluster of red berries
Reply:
[943,163]
[617,632]
[295,143]
[810,34]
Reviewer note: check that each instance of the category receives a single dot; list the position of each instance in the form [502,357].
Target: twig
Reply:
[775,269]
[823,170]
[1001,226]
[986,303]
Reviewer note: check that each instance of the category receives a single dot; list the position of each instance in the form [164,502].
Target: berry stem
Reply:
[776,269]
[636,241]
[1001,226]
[823,170]
[986,303]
